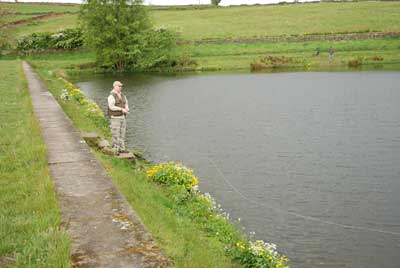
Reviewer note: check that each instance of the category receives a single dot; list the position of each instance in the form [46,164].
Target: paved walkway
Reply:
[104,230]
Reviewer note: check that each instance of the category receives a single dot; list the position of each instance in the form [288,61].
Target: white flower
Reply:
[195,188]
[64,95]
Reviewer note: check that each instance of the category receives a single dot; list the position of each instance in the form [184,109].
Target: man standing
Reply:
[117,110]
[331,51]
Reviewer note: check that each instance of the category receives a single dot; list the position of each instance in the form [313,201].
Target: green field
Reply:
[30,233]
[281,20]
[39,8]
[61,19]
[273,20]
[52,24]
[248,21]
[11,18]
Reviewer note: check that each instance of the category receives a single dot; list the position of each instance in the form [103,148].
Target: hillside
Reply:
[233,22]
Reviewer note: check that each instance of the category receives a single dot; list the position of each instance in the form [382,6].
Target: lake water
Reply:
[309,161]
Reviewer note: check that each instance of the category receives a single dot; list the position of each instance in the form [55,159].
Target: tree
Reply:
[215,2]
[121,34]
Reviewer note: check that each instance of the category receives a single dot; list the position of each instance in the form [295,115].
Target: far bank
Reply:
[367,54]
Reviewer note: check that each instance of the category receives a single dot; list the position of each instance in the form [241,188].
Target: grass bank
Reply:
[185,240]
[372,53]
[30,233]
[188,243]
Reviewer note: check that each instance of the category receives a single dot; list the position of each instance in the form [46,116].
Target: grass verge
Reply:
[29,215]
[185,241]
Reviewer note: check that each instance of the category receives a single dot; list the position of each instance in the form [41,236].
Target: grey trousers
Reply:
[118,131]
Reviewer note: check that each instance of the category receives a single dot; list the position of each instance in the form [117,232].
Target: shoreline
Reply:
[214,239]
[355,55]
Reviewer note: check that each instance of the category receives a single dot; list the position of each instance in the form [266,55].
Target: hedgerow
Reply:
[65,39]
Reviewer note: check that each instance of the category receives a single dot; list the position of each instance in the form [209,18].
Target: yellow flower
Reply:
[76,91]
[283,258]
[195,181]
[240,245]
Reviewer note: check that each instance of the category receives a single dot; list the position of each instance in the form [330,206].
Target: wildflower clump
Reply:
[203,209]
[90,108]
[78,95]
[172,173]
[93,109]
[259,254]
[64,95]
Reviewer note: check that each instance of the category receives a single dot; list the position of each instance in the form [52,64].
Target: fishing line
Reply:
[294,213]
[305,217]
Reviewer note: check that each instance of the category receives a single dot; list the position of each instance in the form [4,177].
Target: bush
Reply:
[259,254]
[275,62]
[173,174]
[377,58]
[354,63]
[257,66]
[66,39]
[215,2]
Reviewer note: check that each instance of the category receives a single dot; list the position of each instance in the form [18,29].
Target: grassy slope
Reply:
[239,56]
[251,21]
[269,20]
[27,11]
[35,8]
[29,216]
[309,47]
[52,24]
[279,20]
[11,18]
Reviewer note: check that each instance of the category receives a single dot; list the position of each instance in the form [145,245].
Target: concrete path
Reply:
[104,230]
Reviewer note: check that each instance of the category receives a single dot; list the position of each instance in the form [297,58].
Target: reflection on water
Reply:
[309,161]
